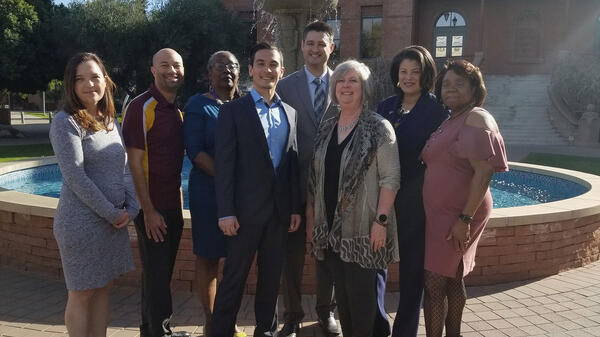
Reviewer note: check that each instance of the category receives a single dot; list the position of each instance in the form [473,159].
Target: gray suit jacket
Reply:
[294,90]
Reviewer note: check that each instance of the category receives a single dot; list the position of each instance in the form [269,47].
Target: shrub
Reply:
[577,82]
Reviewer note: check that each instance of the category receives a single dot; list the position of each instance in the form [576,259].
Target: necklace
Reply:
[403,111]
[457,115]
[410,102]
[468,108]
[349,126]
[219,101]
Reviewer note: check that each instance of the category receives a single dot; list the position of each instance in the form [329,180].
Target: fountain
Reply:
[292,16]
[519,242]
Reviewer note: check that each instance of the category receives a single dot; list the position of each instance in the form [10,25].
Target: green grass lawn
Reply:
[37,114]
[583,164]
[41,115]
[18,152]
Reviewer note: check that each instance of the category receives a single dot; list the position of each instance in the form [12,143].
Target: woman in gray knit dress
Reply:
[97,199]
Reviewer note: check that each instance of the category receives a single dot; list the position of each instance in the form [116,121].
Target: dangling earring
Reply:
[398,84]
[214,94]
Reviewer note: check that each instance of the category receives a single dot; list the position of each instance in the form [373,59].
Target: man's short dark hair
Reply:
[261,46]
[318,26]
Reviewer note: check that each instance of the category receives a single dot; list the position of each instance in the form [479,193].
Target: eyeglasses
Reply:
[230,66]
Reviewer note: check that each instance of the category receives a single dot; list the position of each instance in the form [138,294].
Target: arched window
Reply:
[449,35]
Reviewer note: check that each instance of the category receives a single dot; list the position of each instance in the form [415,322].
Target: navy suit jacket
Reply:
[246,184]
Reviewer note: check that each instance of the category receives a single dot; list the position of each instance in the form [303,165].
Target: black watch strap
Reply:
[466,218]
[381,219]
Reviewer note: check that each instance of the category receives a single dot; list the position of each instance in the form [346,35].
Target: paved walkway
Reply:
[567,304]
[32,129]
[19,118]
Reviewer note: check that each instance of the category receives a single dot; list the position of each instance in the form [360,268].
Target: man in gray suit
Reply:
[306,90]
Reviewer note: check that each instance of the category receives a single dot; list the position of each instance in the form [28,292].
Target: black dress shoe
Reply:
[289,330]
[329,326]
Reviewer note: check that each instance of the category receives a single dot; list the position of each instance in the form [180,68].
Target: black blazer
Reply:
[247,186]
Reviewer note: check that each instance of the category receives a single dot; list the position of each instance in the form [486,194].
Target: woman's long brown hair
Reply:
[74,107]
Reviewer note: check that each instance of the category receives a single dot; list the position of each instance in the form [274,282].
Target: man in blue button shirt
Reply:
[257,192]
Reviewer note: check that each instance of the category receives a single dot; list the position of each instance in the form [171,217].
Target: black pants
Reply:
[411,239]
[356,296]
[158,260]
[292,280]
[268,241]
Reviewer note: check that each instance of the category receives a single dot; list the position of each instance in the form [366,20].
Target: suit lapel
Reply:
[254,123]
[329,72]
[291,119]
[304,89]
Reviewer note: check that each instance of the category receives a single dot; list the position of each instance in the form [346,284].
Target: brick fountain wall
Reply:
[505,254]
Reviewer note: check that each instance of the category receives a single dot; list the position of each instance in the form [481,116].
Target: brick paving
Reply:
[567,304]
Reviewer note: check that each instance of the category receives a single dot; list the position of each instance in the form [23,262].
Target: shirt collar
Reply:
[256,97]
[312,77]
[157,95]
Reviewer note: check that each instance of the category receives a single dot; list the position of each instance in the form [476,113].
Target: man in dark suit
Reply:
[306,90]
[257,192]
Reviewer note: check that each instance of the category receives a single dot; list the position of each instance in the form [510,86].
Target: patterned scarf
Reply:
[362,150]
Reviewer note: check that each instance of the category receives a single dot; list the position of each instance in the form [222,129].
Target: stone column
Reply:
[291,24]
[292,16]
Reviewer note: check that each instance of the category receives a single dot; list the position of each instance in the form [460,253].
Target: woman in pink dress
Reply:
[461,158]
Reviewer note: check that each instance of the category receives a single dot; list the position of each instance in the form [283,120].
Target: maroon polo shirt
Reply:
[154,125]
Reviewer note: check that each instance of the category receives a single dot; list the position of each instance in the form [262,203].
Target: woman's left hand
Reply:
[122,221]
[378,236]
[460,234]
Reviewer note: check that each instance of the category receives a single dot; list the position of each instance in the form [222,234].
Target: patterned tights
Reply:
[444,302]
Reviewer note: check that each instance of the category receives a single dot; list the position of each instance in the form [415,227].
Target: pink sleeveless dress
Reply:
[446,188]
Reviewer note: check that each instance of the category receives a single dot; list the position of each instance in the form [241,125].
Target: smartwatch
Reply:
[381,219]
[466,218]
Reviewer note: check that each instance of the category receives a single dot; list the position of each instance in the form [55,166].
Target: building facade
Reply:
[511,37]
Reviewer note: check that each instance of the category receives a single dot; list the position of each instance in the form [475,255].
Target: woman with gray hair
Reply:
[353,180]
